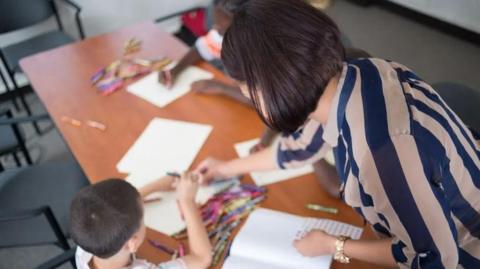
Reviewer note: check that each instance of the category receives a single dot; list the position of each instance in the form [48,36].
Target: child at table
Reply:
[107,224]
[208,48]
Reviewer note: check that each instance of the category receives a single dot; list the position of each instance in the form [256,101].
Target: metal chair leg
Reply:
[9,91]
[25,152]
[24,103]
[17,160]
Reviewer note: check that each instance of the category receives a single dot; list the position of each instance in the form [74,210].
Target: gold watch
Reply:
[339,255]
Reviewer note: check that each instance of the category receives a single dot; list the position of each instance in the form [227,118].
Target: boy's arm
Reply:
[162,184]
[167,77]
[191,58]
[200,255]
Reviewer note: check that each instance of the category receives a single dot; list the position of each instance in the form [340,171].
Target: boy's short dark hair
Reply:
[103,216]
[288,51]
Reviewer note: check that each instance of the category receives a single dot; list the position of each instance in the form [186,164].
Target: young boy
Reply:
[208,48]
[107,224]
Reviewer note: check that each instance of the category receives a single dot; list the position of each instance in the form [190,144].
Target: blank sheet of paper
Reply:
[151,90]
[164,146]
[164,215]
[265,178]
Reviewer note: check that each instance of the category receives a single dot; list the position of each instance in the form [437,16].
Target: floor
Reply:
[434,55]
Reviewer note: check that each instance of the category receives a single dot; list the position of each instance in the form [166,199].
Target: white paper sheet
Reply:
[164,215]
[265,178]
[151,90]
[270,177]
[164,146]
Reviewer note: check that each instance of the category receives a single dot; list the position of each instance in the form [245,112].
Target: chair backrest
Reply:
[17,14]
[462,100]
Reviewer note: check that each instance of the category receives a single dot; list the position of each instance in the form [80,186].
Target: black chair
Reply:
[462,100]
[12,139]
[35,206]
[19,14]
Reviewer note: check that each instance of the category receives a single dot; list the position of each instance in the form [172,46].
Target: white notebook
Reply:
[164,146]
[266,241]
[151,90]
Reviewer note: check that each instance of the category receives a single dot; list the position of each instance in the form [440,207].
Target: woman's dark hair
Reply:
[287,50]
[104,216]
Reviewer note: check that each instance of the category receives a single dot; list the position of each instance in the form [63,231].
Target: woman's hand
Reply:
[212,168]
[315,243]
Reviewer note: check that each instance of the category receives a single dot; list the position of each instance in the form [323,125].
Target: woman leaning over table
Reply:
[407,163]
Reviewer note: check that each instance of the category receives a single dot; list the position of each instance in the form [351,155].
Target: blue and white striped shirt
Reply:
[407,163]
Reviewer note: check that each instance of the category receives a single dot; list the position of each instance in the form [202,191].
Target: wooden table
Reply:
[61,78]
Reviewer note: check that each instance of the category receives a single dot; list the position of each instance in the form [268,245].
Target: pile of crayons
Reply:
[221,214]
[113,76]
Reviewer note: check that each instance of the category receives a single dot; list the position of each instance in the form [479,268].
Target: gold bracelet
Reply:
[339,255]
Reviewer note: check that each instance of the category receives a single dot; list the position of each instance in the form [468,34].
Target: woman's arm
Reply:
[259,161]
[318,243]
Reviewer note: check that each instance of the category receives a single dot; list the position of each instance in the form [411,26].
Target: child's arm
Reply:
[167,77]
[211,86]
[200,256]
[165,183]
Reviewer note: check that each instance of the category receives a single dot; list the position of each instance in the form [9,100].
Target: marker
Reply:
[173,174]
[181,250]
[321,208]
[161,247]
[151,200]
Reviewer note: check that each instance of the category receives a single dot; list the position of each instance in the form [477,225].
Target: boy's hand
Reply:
[187,187]
[315,243]
[167,77]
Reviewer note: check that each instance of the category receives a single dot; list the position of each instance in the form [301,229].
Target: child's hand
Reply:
[207,86]
[187,187]
[315,243]
[167,77]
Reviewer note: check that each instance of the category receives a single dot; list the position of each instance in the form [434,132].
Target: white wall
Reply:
[101,16]
[463,13]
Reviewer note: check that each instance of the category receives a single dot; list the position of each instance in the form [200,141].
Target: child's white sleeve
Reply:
[209,46]
[175,264]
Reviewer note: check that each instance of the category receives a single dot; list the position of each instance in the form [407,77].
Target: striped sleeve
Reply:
[209,46]
[302,147]
[426,237]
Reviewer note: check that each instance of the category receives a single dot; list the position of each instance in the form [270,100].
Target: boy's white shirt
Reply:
[83,258]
